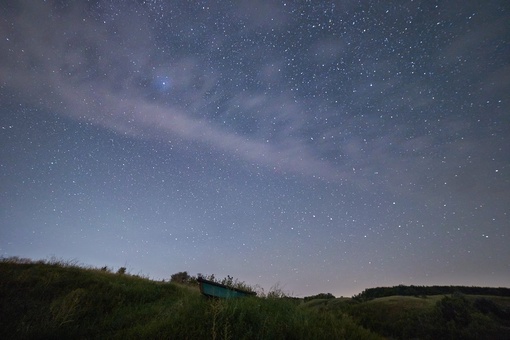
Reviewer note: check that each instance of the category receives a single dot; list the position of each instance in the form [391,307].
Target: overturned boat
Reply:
[218,290]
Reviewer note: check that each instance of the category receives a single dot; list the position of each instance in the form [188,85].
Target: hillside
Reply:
[61,300]
[454,316]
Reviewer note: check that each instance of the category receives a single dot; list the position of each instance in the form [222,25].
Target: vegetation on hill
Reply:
[57,299]
[455,316]
[61,300]
[229,281]
[372,293]
[319,296]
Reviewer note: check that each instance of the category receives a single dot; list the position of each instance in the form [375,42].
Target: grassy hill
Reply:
[59,300]
[453,316]
[41,300]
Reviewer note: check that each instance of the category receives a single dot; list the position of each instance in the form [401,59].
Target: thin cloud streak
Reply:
[110,100]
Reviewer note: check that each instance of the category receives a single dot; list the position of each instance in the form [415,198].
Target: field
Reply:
[48,299]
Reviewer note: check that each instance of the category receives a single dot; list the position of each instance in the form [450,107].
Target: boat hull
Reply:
[216,290]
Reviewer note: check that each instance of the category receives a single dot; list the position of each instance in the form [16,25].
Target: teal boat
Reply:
[217,290]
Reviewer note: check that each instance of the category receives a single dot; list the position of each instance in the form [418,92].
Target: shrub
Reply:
[180,277]
[319,296]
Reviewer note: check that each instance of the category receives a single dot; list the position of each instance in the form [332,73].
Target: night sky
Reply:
[325,146]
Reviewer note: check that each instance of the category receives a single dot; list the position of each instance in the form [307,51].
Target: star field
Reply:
[328,146]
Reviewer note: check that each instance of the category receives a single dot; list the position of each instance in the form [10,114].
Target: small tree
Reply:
[180,277]
[121,271]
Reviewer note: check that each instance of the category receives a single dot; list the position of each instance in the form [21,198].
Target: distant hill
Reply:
[372,293]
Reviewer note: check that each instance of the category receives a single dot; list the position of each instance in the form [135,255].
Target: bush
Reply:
[180,277]
[320,296]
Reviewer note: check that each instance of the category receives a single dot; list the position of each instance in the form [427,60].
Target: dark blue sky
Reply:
[325,146]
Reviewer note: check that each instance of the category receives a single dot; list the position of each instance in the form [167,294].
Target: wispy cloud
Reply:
[92,72]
